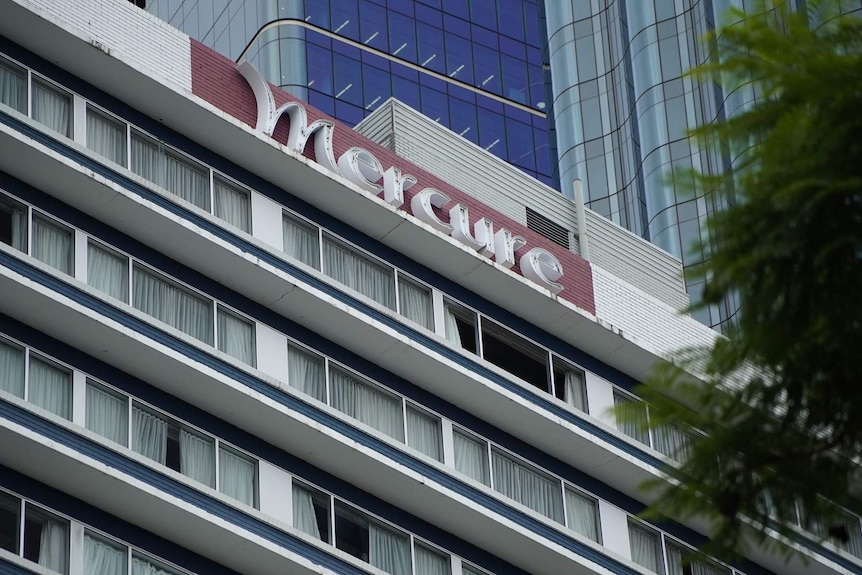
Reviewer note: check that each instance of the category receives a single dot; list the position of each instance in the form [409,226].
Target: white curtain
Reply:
[52,108]
[13,87]
[645,548]
[50,388]
[451,325]
[424,433]
[100,558]
[358,272]
[471,457]
[633,419]
[574,389]
[188,181]
[236,337]
[52,245]
[415,302]
[108,272]
[431,563]
[305,373]
[527,487]
[672,442]
[106,137]
[141,566]
[197,457]
[17,215]
[388,551]
[301,242]
[173,305]
[232,205]
[581,512]
[367,404]
[149,435]
[53,547]
[12,369]
[304,518]
[236,476]
[675,557]
[108,415]
[147,159]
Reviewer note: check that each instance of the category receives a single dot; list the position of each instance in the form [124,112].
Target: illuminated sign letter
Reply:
[459,218]
[394,185]
[362,168]
[300,131]
[421,206]
[505,246]
[542,267]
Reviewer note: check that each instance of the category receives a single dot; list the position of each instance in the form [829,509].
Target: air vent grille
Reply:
[553,231]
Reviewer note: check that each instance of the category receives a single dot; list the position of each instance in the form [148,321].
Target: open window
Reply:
[13,223]
[570,384]
[371,541]
[462,326]
[311,512]
[515,354]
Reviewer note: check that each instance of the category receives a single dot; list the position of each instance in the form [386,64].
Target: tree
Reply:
[781,406]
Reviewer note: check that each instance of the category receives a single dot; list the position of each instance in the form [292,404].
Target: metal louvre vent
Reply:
[554,232]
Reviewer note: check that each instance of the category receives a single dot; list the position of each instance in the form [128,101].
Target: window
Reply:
[232,204]
[46,539]
[583,514]
[106,136]
[177,174]
[461,327]
[645,547]
[431,562]
[53,244]
[359,272]
[50,387]
[108,271]
[236,337]
[311,512]
[177,306]
[237,475]
[103,556]
[107,413]
[13,223]
[471,457]
[679,562]
[10,515]
[52,107]
[415,302]
[305,372]
[13,86]
[527,485]
[367,403]
[672,441]
[515,354]
[570,385]
[633,419]
[301,241]
[143,565]
[424,432]
[11,368]
[371,542]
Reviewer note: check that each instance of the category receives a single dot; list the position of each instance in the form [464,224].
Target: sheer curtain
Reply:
[672,442]
[388,551]
[148,161]
[582,515]
[451,325]
[424,433]
[431,563]
[232,205]
[370,406]
[301,241]
[141,566]
[100,558]
[52,108]
[527,487]
[12,369]
[53,547]
[149,435]
[358,272]
[52,245]
[108,415]
[50,387]
[471,457]
[188,181]
[106,137]
[645,548]
[304,518]
[13,87]
[108,272]
[173,305]
[574,389]
[236,337]
[633,420]
[236,476]
[197,457]
[415,303]
[16,215]
[305,372]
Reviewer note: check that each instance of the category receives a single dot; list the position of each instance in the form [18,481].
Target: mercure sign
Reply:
[360,167]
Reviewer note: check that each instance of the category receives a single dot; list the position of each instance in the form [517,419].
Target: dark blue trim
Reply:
[81,511]
[10,569]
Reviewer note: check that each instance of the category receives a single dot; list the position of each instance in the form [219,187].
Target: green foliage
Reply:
[782,407]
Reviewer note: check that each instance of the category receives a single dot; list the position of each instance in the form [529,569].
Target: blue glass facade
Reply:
[474,66]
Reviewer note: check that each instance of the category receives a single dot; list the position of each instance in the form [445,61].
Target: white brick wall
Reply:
[125,32]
